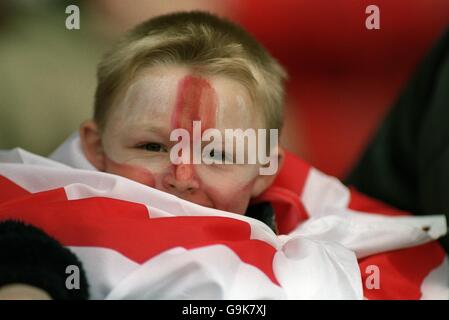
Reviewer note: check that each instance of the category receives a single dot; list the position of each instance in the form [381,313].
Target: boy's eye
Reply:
[154,147]
[218,155]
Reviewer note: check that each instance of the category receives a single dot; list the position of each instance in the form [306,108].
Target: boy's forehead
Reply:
[172,97]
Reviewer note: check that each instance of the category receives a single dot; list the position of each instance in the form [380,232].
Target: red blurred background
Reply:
[343,77]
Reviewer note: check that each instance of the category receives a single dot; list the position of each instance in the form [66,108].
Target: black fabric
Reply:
[407,163]
[30,256]
[264,212]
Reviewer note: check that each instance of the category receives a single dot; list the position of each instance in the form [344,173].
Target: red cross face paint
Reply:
[136,139]
[196,101]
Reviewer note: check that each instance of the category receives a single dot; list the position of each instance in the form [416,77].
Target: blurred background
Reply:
[343,77]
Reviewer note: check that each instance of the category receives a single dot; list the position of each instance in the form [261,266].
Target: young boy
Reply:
[167,73]
[193,74]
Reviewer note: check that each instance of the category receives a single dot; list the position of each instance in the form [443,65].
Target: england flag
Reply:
[136,242]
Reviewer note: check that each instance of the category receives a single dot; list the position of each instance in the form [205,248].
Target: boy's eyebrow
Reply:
[156,129]
[152,127]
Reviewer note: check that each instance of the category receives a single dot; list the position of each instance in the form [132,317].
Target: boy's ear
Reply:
[91,144]
[264,181]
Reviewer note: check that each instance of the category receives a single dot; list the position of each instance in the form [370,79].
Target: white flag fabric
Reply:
[137,242]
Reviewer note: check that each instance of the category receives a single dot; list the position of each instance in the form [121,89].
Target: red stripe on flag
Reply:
[10,190]
[363,203]
[284,193]
[125,227]
[293,174]
[401,271]
[289,210]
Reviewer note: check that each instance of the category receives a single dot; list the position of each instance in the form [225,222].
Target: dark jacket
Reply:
[407,162]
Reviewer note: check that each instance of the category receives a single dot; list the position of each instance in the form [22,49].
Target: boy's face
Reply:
[135,142]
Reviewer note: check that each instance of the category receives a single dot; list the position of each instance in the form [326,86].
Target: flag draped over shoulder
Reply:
[137,242]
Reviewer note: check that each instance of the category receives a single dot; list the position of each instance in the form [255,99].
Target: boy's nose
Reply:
[182,180]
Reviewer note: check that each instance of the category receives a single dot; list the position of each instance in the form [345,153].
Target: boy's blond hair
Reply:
[201,41]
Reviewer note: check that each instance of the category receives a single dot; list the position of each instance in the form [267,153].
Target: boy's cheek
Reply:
[132,172]
[235,200]
[229,195]
[227,175]
[228,191]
